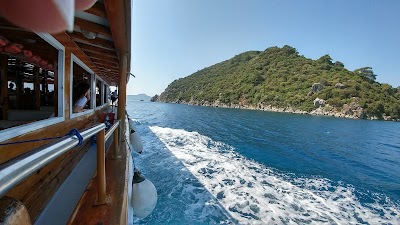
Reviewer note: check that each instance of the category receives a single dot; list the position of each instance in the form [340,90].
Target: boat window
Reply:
[82,97]
[32,68]
[106,94]
[99,93]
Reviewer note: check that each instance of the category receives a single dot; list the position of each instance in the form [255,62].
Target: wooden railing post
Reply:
[122,80]
[101,168]
[116,143]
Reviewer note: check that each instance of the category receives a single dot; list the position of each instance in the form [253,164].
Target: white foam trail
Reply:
[255,194]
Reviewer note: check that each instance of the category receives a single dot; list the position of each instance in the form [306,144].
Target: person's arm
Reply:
[78,107]
[87,95]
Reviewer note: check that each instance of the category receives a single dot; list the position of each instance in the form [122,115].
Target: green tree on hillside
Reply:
[366,72]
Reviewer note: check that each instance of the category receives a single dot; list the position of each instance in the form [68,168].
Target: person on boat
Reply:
[11,88]
[114,97]
[81,96]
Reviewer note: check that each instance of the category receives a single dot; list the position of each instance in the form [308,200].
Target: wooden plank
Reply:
[95,53]
[105,64]
[97,50]
[108,70]
[53,176]
[36,87]
[37,189]
[10,151]
[116,143]
[78,37]
[93,27]
[116,210]
[4,86]
[102,57]
[98,9]
[101,169]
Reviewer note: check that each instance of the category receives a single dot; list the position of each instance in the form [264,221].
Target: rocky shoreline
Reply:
[350,111]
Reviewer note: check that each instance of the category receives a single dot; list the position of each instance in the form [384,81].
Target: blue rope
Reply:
[70,133]
[74,131]
[27,141]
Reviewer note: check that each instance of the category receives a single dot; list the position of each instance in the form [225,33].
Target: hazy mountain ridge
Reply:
[139,97]
[279,79]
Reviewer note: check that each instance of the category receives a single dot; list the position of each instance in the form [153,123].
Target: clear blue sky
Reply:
[175,38]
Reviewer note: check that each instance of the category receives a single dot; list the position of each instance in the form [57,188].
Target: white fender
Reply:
[134,137]
[144,195]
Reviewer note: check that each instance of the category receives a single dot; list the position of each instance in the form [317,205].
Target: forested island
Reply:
[280,79]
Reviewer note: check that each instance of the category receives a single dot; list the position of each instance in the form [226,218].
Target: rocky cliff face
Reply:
[351,111]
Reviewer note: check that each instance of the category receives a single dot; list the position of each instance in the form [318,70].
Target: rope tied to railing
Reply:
[75,132]
[72,132]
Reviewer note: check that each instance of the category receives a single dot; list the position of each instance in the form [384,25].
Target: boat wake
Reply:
[255,194]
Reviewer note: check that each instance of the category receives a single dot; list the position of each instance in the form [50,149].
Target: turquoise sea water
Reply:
[231,166]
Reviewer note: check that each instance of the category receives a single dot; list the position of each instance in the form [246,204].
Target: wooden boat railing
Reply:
[16,170]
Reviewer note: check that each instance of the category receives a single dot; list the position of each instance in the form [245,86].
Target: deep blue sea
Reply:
[232,166]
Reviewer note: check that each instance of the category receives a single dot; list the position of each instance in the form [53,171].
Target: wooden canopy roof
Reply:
[110,22]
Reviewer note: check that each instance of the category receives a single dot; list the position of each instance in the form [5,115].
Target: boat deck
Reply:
[115,211]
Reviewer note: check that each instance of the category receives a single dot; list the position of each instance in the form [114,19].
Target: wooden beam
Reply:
[4,86]
[113,75]
[98,9]
[119,16]
[111,68]
[105,62]
[64,39]
[55,63]
[78,37]
[108,76]
[93,27]
[90,48]
[108,70]
[36,87]
[93,55]
[122,89]
[44,86]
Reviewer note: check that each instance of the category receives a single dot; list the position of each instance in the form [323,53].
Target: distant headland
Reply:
[139,97]
[282,80]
